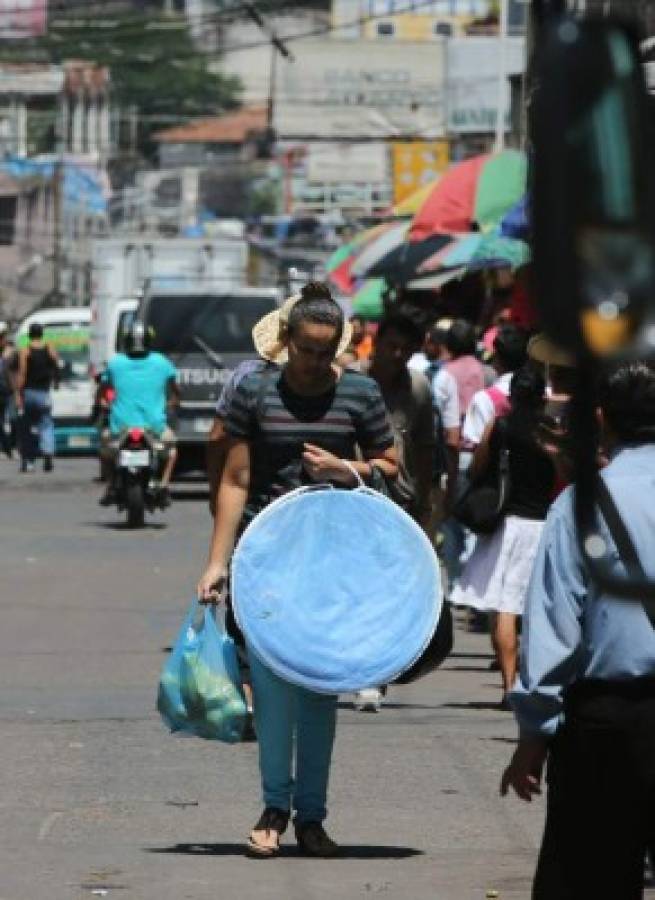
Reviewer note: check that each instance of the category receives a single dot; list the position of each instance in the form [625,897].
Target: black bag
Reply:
[482,506]
[436,651]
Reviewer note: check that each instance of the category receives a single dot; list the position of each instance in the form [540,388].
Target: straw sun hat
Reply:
[270,332]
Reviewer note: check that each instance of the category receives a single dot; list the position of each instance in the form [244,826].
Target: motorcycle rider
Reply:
[145,386]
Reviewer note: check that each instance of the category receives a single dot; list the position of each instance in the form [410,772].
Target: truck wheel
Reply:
[135,502]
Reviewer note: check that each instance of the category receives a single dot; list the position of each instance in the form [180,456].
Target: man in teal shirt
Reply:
[144,382]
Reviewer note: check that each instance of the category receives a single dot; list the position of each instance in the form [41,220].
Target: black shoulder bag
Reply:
[482,506]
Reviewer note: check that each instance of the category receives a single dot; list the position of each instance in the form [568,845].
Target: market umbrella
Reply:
[472,195]
[341,273]
[368,302]
[400,264]
[340,263]
[458,252]
[434,282]
[516,223]
[477,251]
[498,251]
[380,246]
[340,255]
[411,205]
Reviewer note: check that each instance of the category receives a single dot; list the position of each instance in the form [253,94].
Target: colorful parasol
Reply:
[401,264]
[477,251]
[516,223]
[379,247]
[472,195]
[436,281]
[496,251]
[411,205]
[339,266]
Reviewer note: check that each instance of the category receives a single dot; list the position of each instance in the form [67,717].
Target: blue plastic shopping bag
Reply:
[199,688]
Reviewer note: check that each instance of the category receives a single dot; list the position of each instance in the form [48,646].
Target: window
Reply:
[386,29]
[182,324]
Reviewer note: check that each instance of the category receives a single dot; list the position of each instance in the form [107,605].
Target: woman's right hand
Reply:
[212,587]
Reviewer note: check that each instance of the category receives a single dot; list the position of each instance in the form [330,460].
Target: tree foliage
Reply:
[153,62]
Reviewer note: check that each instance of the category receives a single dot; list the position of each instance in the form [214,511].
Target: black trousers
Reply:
[600,814]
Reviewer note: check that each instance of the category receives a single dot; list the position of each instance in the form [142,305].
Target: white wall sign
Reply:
[473,70]
[334,163]
[345,89]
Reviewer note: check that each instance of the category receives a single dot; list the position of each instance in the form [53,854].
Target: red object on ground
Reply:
[451,206]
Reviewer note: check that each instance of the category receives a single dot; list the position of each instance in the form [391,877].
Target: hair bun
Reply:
[315,290]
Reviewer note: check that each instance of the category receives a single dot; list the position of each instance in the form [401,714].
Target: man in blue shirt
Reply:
[145,384]
[585,694]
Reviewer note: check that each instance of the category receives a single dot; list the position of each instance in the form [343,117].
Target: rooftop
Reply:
[232,128]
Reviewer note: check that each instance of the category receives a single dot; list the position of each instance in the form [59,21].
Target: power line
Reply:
[212,18]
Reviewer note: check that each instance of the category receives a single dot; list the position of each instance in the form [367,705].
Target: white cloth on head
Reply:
[481,410]
[497,574]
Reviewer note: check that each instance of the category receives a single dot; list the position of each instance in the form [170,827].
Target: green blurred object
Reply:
[368,301]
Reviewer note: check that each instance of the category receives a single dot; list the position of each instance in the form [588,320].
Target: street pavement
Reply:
[97,799]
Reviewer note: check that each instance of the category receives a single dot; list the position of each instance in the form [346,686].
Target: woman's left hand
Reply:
[321,465]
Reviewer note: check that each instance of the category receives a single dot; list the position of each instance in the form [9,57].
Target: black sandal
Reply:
[272,819]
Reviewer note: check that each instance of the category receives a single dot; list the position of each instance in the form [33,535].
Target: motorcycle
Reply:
[139,460]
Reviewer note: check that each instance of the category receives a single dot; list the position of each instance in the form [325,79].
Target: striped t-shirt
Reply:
[277,422]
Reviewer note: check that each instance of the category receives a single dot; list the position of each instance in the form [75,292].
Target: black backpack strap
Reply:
[622,539]
[616,526]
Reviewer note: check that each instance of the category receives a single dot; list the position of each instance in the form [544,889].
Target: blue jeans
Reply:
[283,711]
[37,418]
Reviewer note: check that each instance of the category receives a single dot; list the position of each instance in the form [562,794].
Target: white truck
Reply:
[123,268]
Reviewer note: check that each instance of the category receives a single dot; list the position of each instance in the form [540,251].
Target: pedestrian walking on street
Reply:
[463,365]
[38,372]
[408,401]
[301,423]
[6,390]
[496,575]
[431,362]
[585,695]
[508,356]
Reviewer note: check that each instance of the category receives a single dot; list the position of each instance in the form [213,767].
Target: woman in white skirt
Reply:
[496,576]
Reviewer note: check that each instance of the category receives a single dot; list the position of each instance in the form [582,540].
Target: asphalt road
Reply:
[97,799]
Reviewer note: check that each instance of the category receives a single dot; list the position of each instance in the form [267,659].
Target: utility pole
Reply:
[499,144]
[277,46]
[57,212]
